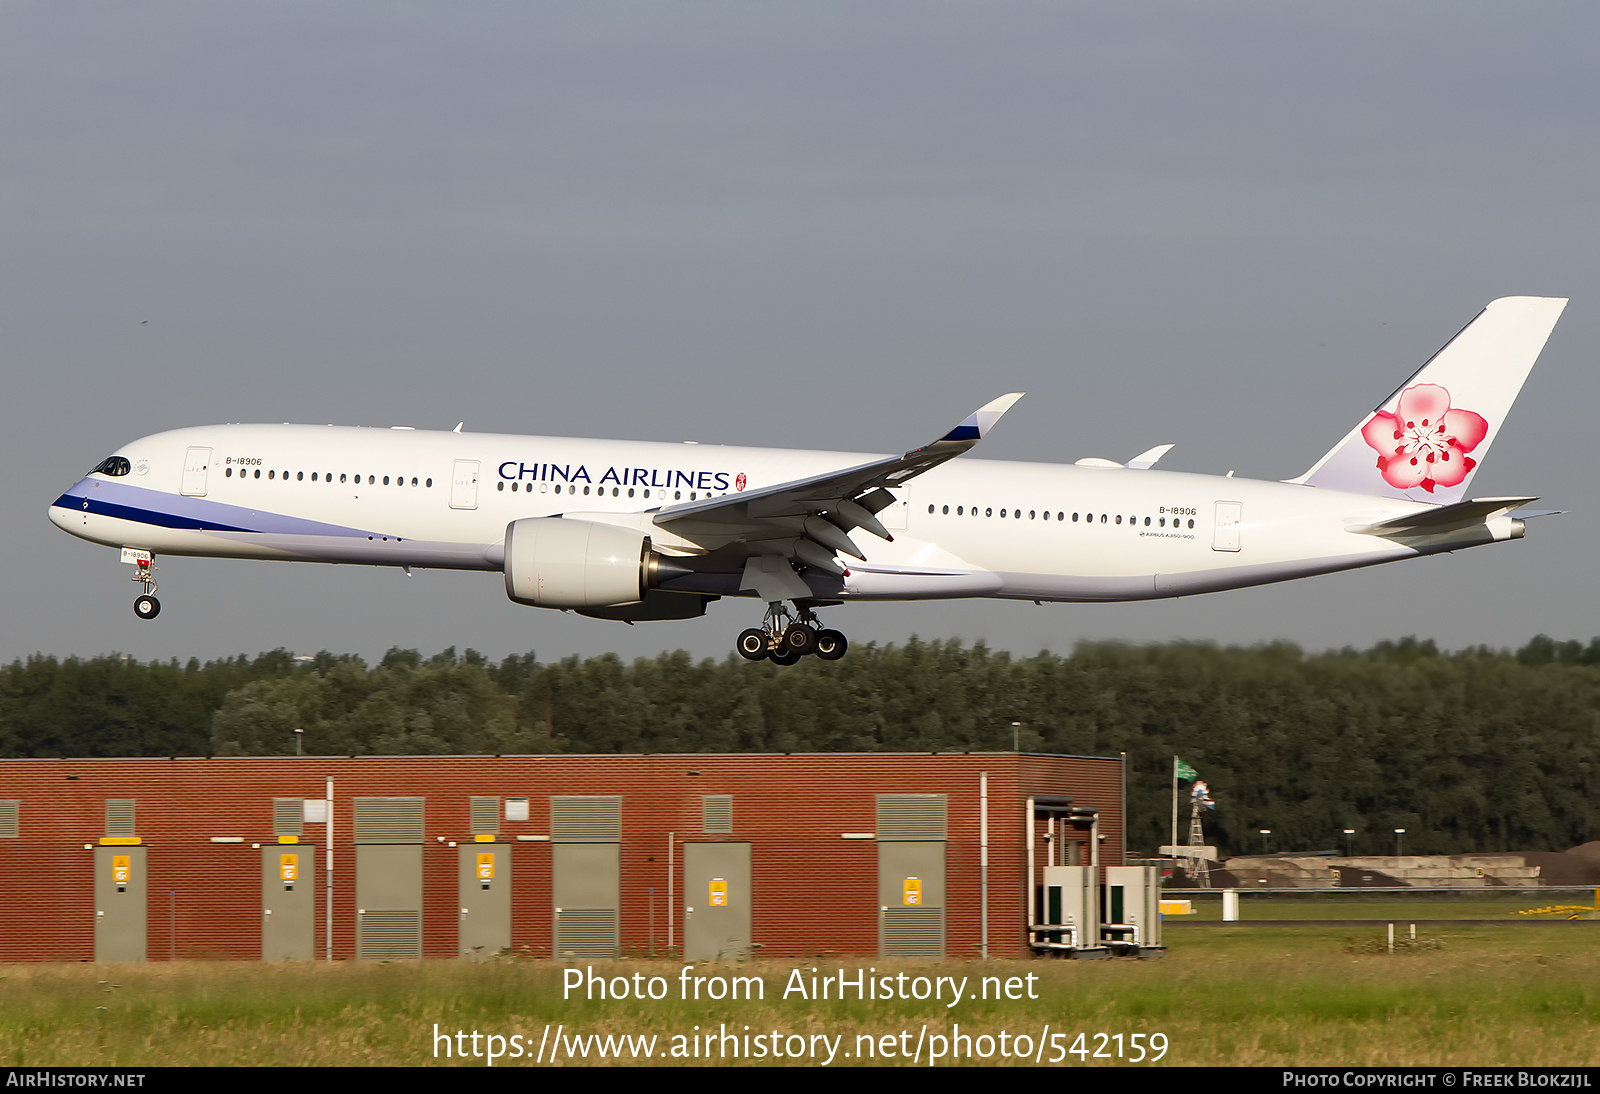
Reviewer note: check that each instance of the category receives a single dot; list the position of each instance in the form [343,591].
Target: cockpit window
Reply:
[113,465]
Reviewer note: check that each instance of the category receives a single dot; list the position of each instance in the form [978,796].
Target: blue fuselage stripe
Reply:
[144,516]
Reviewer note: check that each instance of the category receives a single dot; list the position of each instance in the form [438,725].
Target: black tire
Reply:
[831,645]
[784,657]
[752,645]
[800,639]
[147,607]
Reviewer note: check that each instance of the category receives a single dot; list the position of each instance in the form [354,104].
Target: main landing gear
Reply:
[784,640]
[146,606]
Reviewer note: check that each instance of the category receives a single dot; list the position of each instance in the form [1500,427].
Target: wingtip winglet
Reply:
[980,421]
[1147,459]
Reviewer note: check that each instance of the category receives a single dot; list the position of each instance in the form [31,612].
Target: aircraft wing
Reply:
[807,520]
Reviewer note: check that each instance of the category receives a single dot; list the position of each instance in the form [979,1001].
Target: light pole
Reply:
[1266,841]
[1016,736]
[299,735]
[1349,837]
[1399,842]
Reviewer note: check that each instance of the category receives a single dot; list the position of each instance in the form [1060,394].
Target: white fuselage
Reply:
[969,527]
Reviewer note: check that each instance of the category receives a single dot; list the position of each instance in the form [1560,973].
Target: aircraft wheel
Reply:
[800,639]
[784,657]
[752,644]
[831,645]
[147,607]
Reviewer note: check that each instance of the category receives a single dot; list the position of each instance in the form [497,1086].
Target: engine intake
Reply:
[556,563]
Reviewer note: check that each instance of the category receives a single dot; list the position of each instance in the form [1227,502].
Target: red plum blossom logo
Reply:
[1425,442]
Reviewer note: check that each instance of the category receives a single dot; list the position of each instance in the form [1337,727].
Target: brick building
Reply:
[567,856]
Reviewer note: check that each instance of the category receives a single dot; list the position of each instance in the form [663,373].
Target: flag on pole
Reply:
[1183,770]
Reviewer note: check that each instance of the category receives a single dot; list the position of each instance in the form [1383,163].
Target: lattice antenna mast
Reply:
[1199,868]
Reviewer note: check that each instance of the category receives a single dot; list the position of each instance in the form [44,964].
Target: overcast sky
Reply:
[1234,227]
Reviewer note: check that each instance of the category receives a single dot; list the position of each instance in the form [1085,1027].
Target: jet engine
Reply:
[556,563]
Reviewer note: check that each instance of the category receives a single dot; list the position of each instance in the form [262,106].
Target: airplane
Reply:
[635,531]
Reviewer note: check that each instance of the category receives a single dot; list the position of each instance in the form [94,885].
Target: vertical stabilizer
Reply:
[1425,441]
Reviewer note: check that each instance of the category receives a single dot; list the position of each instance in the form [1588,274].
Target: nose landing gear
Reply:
[146,606]
[783,639]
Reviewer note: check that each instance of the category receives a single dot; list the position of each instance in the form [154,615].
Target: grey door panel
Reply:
[288,902]
[713,873]
[586,891]
[484,887]
[911,898]
[121,904]
[388,901]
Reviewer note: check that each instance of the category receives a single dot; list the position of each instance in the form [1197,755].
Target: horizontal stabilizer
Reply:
[1443,518]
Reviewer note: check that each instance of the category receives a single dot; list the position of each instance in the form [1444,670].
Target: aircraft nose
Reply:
[66,512]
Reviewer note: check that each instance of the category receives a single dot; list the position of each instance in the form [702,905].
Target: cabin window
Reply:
[1017,513]
[228,473]
[988,512]
[646,494]
[585,491]
[1030,514]
[930,509]
[429,483]
[630,491]
[947,510]
[499,486]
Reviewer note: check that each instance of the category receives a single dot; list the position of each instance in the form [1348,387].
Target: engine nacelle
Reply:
[556,563]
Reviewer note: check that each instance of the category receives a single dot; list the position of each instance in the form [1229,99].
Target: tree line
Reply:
[1478,750]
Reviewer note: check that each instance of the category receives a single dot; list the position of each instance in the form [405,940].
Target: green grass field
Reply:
[1406,907]
[1223,995]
